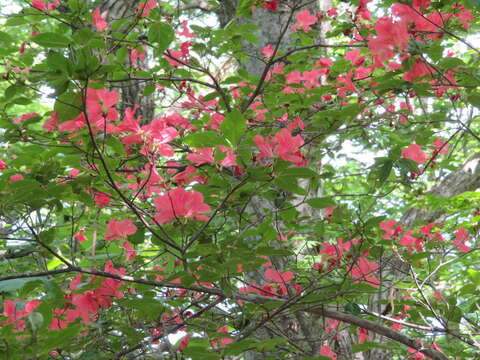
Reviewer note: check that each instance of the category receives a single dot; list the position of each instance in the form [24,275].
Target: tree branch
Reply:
[256,299]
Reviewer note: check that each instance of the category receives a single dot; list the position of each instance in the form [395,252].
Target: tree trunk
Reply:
[132,91]
[274,28]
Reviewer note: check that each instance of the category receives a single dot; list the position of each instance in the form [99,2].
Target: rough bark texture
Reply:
[131,90]
[304,330]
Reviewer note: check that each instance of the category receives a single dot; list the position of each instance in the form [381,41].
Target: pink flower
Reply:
[74,173]
[271,5]
[186,32]
[415,153]
[387,226]
[102,199]
[184,343]
[332,12]
[80,236]
[24,117]
[230,159]
[51,124]
[325,350]
[440,146]
[461,236]
[264,146]
[438,295]
[180,203]
[304,20]
[120,229]
[287,147]
[408,240]
[391,36]
[362,270]
[16,177]
[145,7]
[325,62]
[420,69]
[130,252]
[39,5]
[416,354]
[15,315]
[201,156]
[101,106]
[268,51]
[362,335]
[45,6]
[99,21]
[277,276]
[3,166]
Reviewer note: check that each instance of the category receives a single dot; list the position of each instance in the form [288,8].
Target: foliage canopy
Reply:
[334,189]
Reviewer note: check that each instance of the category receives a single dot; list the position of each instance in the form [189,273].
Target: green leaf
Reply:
[6,38]
[299,172]
[139,236]
[161,34]
[352,308]
[233,126]
[474,99]
[15,284]
[289,184]
[321,203]
[149,90]
[451,62]
[47,236]
[51,40]
[204,139]
[68,106]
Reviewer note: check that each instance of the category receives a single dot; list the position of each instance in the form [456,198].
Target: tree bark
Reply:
[132,91]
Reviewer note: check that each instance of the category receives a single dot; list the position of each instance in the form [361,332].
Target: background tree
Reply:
[186,227]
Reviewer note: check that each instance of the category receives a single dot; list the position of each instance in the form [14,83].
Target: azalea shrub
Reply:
[334,191]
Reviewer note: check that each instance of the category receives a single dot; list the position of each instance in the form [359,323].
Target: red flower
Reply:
[144,8]
[98,20]
[415,153]
[120,229]
[391,36]
[16,177]
[180,203]
[304,20]
[201,156]
[80,236]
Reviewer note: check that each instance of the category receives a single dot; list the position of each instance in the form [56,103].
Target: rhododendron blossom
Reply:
[16,311]
[16,177]
[201,156]
[45,5]
[363,270]
[461,236]
[414,152]
[146,7]
[99,21]
[120,229]
[80,236]
[387,226]
[305,20]
[326,351]
[180,203]
[391,36]
[282,144]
